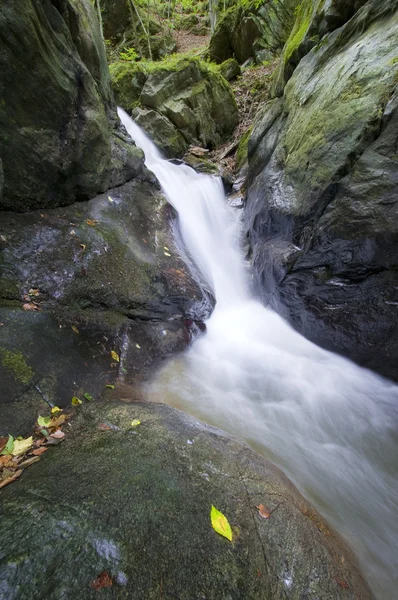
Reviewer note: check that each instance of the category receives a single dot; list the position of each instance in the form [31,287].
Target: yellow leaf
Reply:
[55,409]
[76,401]
[138,346]
[115,356]
[166,248]
[75,329]
[166,253]
[220,523]
[21,446]
[92,222]
[110,386]
[135,423]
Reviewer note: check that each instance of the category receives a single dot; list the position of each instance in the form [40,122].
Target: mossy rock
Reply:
[183,101]
[117,501]
[56,98]
[230,69]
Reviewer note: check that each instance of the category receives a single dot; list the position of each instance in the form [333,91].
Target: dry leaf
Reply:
[220,523]
[166,253]
[11,479]
[58,435]
[342,584]
[3,442]
[263,512]
[39,451]
[104,427]
[59,421]
[33,292]
[103,580]
[92,222]
[21,446]
[75,329]
[30,306]
[83,246]
[29,461]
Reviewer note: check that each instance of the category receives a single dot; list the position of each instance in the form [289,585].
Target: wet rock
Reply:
[111,268]
[321,201]
[57,100]
[195,101]
[115,501]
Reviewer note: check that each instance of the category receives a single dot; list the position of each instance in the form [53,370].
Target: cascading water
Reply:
[330,425]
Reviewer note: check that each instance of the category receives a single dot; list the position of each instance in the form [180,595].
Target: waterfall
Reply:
[330,425]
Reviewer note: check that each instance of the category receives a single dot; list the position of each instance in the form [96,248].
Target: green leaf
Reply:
[88,397]
[43,421]
[110,386]
[44,432]
[9,447]
[135,423]
[76,401]
[220,523]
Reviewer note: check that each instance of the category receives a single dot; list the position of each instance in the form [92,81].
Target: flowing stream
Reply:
[328,424]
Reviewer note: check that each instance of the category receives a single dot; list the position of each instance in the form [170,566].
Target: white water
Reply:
[330,425]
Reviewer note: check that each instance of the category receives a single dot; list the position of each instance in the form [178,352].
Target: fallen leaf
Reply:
[73,232]
[138,346]
[76,401]
[220,523]
[59,421]
[44,432]
[83,246]
[9,447]
[55,409]
[263,512]
[6,461]
[39,451]
[110,199]
[135,423]
[92,222]
[30,306]
[115,356]
[165,248]
[88,397]
[104,427]
[43,421]
[103,580]
[110,386]
[342,584]
[21,446]
[75,329]
[166,253]
[11,479]
[33,292]
[58,435]
[29,461]
[3,442]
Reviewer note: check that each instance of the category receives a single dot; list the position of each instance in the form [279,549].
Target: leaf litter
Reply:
[16,454]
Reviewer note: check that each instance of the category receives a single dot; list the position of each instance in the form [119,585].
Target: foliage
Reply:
[129,54]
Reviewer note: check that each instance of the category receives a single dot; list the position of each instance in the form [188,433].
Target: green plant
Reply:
[129,54]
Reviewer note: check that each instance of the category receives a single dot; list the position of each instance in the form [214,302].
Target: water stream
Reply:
[328,424]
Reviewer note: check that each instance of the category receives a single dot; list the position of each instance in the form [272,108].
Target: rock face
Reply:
[101,267]
[59,138]
[177,103]
[117,501]
[253,31]
[322,203]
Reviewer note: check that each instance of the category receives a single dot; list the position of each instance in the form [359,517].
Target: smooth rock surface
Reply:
[135,502]
[321,207]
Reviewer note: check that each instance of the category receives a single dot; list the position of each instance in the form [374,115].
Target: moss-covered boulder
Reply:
[253,30]
[230,69]
[59,138]
[133,504]
[188,100]
[321,207]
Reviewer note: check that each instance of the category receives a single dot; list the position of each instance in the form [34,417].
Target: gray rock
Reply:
[58,122]
[135,503]
[321,203]
[230,69]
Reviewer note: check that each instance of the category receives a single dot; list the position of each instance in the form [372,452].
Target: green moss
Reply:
[241,154]
[351,93]
[394,61]
[16,364]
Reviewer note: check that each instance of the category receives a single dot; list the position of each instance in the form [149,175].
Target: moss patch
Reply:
[16,364]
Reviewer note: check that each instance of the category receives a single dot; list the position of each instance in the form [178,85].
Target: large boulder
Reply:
[253,30]
[321,208]
[177,102]
[82,281]
[130,507]
[59,138]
